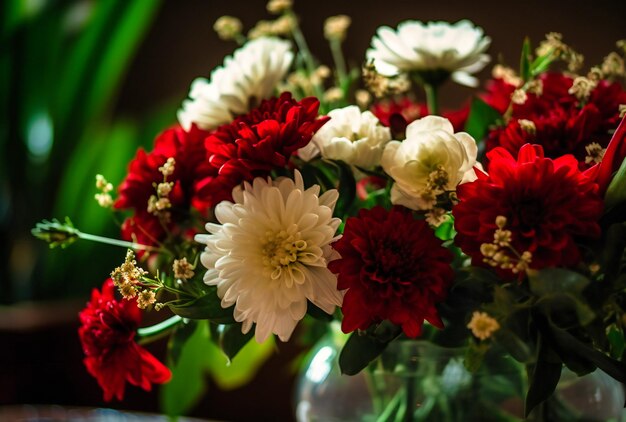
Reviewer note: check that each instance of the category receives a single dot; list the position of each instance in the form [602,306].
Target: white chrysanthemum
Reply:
[432,159]
[455,48]
[270,254]
[351,136]
[250,75]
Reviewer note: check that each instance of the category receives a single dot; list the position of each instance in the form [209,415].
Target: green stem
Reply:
[340,63]
[122,243]
[303,47]
[154,332]
[431,99]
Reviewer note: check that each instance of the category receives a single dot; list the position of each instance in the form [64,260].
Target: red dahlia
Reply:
[393,268]
[563,124]
[111,355]
[258,142]
[548,204]
[188,151]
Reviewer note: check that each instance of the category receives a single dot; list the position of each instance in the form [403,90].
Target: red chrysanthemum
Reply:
[256,143]
[107,335]
[548,204]
[189,153]
[563,124]
[394,268]
[396,114]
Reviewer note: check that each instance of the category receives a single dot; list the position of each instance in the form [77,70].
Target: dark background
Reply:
[40,357]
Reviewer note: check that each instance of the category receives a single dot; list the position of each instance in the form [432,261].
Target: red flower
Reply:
[563,125]
[111,354]
[394,268]
[548,204]
[615,154]
[396,114]
[258,142]
[188,151]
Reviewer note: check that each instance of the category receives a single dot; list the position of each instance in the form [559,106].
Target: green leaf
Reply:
[178,339]
[544,377]
[541,64]
[616,192]
[346,188]
[566,309]
[557,280]
[474,355]
[616,340]
[188,384]
[231,340]
[524,64]
[204,307]
[243,367]
[614,251]
[363,347]
[481,117]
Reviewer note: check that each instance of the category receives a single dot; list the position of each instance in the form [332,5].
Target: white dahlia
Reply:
[457,49]
[430,161]
[250,75]
[270,254]
[351,136]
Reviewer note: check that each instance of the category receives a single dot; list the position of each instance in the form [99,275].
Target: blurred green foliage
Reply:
[62,64]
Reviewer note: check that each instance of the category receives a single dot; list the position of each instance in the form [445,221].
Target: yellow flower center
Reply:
[281,250]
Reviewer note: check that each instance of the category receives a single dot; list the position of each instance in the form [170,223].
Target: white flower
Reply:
[456,48]
[270,254]
[250,75]
[431,160]
[351,136]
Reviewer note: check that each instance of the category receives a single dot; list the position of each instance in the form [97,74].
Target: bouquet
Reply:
[291,191]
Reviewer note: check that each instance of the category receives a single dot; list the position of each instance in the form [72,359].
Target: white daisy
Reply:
[436,46]
[270,254]
[351,136]
[249,76]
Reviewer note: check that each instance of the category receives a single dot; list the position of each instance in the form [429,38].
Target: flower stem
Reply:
[157,331]
[431,99]
[303,47]
[121,243]
[340,63]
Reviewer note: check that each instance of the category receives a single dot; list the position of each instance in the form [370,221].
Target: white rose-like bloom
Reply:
[270,254]
[351,136]
[456,48]
[253,72]
[430,147]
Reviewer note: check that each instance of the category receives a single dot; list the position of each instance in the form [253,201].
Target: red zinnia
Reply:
[188,151]
[111,354]
[256,143]
[548,204]
[563,124]
[394,268]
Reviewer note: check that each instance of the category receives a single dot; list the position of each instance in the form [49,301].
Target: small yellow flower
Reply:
[336,27]
[277,7]
[182,269]
[145,298]
[482,325]
[527,126]
[228,27]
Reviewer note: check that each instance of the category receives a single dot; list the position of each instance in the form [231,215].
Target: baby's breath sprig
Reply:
[501,254]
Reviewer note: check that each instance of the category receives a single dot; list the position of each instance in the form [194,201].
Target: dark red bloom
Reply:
[396,114]
[111,355]
[189,153]
[563,125]
[256,143]
[549,205]
[393,268]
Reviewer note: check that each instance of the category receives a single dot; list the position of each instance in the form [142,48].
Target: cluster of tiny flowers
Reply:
[507,74]
[381,85]
[622,110]
[582,87]
[282,26]
[103,197]
[482,325]
[228,27]
[501,254]
[183,270]
[277,7]
[527,126]
[554,45]
[159,204]
[520,95]
[299,81]
[595,152]
[128,279]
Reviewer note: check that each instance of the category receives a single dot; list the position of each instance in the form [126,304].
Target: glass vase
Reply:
[419,381]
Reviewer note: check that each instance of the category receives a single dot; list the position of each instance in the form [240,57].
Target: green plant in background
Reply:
[61,66]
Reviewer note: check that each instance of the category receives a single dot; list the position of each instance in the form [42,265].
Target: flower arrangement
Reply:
[292,190]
